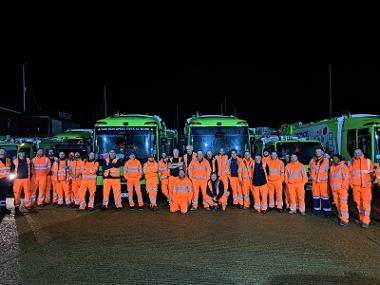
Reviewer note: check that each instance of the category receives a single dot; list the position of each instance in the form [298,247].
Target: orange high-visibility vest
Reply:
[295,173]
[222,164]
[16,161]
[360,172]
[276,170]
[150,169]
[246,170]
[132,169]
[185,160]
[5,169]
[265,159]
[89,169]
[60,173]
[339,176]
[319,170]
[199,170]
[163,169]
[41,166]
[76,168]
[378,174]
[114,171]
[182,190]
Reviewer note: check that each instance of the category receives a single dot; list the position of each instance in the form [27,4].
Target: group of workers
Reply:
[266,178]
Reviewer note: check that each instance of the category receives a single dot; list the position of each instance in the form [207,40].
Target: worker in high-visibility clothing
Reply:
[212,161]
[188,157]
[295,179]
[339,182]
[222,167]
[5,171]
[260,172]
[50,181]
[266,156]
[199,172]
[181,194]
[111,179]
[276,178]
[319,171]
[163,172]
[378,175]
[61,175]
[40,169]
[361,171]
[151,180]
[217,193]
[236,182]
[133,174]
[88,182]
[175,164]
[22,170]
[246,175]
[76,178]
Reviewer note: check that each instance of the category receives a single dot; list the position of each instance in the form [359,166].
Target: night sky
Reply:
[264,94]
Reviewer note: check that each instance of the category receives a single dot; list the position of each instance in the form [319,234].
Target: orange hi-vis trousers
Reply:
[151,188]
[63,190]
[179,205]
[75,193]
[321,199]
[260,196]
[224,179]
[164,183]
[50,184]
[114,185]
[247,188]
[237,194]
[222,202]
[363,199]
[90,185]
[202,185]
[134,183]
[341,201]
[275,188]
[18,186]
[296,193]
[40,183]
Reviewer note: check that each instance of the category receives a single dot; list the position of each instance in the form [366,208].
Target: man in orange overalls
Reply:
[22,171]
[61,179]
[199,172]
[246,174]
[133,174]
[111,179]
[361,171]
[222,169]
[181,194]
[76,178]
[163,171]
[275,180]
[40,170]
[89,170]
[151,180]
[236,182]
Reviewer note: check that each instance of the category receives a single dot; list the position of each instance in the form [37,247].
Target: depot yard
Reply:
[63,246]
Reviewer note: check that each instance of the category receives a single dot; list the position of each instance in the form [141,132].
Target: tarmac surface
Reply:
[63,246]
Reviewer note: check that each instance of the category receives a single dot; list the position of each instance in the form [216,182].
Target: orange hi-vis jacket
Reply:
[186,162]
[163,169]
[5,169]
[114,171]
[132,169]
[76,167]
[378,174]
[182,190]
[360,172]
[59,172]
[222,165]
[15,163]
[295,173]
[319,170]
[89,169]
[339,176]
[246,168]
[151,169]
[265,159]
[276,170]
[199,170]
[41,166]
